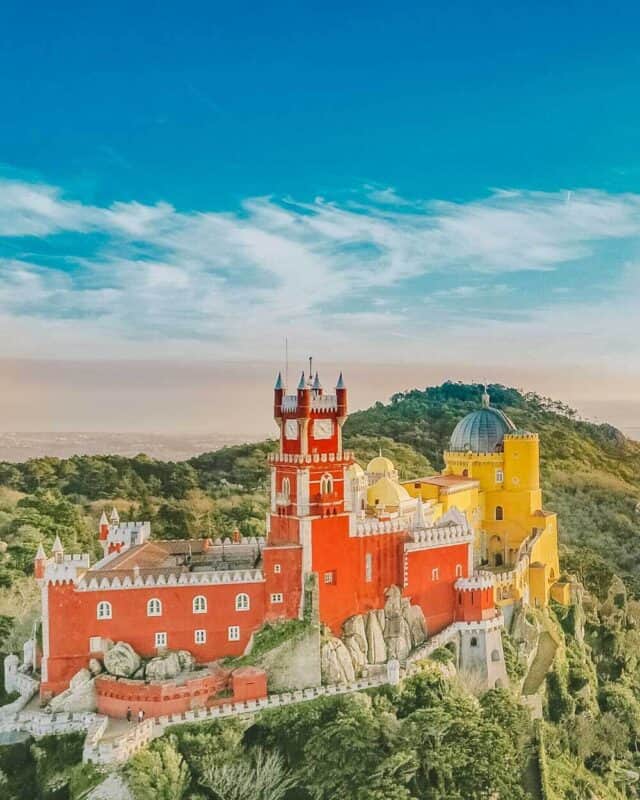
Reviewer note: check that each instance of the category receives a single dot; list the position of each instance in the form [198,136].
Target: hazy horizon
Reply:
[165,407]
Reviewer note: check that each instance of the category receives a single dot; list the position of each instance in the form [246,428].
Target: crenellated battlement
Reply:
[475,583]
[372,526]
[522,435]
[311,458]
[323,402]
[66,569]
[439,536]
[208,578]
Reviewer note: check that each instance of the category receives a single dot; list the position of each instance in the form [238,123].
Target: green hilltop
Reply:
[577,667]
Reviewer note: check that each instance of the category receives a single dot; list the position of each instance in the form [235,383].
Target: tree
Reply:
[158,773]
[262,776]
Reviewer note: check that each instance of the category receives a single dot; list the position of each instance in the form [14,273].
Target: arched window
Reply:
[286,488]
[326,484]
[154,607]
[473,642]
[104,610]
[458,570]
[242,602]
[499,513]
[199,604]
[495,656]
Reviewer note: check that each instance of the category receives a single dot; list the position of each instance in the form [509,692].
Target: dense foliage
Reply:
[429,739]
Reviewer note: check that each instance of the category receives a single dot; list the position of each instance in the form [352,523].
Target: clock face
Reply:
[291,429]
[322,429]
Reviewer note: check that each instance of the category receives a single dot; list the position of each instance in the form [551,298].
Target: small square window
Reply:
[200,636]
[277,597]
[95,644]
[161,639]
[277,568]
[329,577]
[435,574]
[234,633]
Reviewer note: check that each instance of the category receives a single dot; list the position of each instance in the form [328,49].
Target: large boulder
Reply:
[95,666]
[161,668]
[335,661]
[187,660]
[122,660]
[414,617]
[80,696]
[376,647]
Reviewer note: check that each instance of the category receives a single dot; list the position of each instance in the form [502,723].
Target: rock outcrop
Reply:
[80,696]
[122,660]
[335,661]
[169,665]
[95,666]
[376,647]
[384,633]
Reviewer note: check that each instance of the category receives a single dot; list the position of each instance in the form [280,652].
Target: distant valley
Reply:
[18,447]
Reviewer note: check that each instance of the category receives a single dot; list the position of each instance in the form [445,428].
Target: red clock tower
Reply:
[308,478]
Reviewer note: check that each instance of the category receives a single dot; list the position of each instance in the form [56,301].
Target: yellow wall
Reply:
[510,481]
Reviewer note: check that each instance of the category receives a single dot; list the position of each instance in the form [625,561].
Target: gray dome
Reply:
[481,431]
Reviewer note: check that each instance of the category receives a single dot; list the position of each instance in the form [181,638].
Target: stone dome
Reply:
[481,431]
[380,465]
[387,493]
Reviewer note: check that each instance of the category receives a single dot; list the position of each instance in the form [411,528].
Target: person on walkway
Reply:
[140,715]
[129,714]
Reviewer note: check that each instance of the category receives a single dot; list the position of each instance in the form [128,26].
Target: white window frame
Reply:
[286,488]
[154,610]
[104,610]
[458,570]
[95,644]
[233,633]
[160,638]
[328,577]
[368,567]
[435,574]
[326,483]
[200,636]
[277,568]
[243,602]
[499,476]
[277,597]
[199,604]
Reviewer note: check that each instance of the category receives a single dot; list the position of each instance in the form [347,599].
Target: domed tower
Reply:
[481,431]
[381,467]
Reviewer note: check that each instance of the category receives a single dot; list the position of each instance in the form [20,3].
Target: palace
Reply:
[381,563]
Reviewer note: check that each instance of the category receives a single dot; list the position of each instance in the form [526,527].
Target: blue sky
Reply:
[200,180]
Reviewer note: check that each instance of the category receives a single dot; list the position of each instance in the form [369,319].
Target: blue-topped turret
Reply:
[481,431]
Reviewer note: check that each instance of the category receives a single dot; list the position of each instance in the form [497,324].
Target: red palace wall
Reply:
[287,582]
[437,597]
[475,605]
[73,620]
[336,552]
[116,695]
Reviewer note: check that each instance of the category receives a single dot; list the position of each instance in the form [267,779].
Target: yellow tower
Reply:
[492,474]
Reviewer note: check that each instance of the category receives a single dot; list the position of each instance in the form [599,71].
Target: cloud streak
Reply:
[357,276]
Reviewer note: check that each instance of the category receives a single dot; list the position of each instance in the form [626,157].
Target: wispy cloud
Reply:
[357,274]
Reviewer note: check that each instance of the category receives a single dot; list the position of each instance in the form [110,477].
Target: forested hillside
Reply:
[430,739]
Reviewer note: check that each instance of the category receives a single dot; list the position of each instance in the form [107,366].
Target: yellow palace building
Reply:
[492,475]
